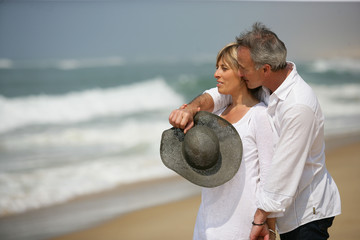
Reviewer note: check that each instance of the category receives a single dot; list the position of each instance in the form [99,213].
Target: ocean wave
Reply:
[70,64]
[340,65]
[339,100]
[63,64]
[117,137]
[48,167]
[101,62]
[114,155]
[86,105]
[44,187]
[6,63]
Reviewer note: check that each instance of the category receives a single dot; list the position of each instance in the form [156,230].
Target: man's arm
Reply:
[260,227]
[264,141]
[287,166]
[211,100]
[184,116]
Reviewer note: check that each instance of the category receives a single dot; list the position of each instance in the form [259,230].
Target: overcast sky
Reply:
[171,29]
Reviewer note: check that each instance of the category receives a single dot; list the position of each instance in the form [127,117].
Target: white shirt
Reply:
[299,185]
[226,211]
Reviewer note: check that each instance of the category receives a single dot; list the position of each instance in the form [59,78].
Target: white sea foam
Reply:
[6,63]
[48,165]
[129,152]
[43,187]
[341,107]
[70,64]
[339,100]
[86,105]
[340,65]
[110,61]
[125,133]
[63,64]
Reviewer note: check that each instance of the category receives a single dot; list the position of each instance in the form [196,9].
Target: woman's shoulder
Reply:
[219,111]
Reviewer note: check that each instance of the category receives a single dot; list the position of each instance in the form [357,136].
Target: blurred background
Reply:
[86,87]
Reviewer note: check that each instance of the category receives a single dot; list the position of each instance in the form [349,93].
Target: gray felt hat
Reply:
[208,155]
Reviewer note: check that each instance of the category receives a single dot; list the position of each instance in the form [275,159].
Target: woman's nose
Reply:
[216,74]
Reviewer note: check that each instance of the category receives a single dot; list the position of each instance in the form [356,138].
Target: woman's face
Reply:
[228,79]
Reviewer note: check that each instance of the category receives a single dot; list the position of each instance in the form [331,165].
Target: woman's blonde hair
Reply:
[229,55]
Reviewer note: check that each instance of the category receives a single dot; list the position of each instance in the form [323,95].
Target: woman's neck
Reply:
[242,101]
[245,99]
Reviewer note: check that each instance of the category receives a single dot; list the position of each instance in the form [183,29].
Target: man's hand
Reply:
[183,117]
[260,232]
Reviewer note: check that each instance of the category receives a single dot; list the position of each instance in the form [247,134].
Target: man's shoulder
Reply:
[303,94]
[300,96]
[260,111]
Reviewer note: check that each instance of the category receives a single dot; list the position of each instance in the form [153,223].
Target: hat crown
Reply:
[201,148]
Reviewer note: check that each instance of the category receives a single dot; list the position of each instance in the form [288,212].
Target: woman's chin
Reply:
[220,90]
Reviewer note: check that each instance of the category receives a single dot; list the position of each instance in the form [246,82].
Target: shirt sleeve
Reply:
[220,100]
[289,159]
[265,148]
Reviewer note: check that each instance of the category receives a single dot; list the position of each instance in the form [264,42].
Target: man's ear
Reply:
[266,69]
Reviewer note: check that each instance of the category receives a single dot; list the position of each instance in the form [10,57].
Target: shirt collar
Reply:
[284,89]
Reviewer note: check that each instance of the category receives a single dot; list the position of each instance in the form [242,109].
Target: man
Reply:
[298,184]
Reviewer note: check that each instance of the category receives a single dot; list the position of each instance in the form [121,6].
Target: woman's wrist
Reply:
[272,231]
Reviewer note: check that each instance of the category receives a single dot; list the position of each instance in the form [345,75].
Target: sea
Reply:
[73,127]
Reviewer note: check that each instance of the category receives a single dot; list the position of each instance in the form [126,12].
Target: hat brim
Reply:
[230,150]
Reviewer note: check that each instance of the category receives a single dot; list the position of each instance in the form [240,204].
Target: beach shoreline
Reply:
[170,208]
[93,209]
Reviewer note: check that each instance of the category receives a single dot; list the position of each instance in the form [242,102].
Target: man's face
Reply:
[252,77]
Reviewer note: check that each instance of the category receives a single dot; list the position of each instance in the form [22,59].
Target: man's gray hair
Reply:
[265,47]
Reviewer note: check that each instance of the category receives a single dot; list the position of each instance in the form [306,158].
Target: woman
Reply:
[226,212]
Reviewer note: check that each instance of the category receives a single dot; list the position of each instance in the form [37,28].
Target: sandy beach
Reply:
[176,220]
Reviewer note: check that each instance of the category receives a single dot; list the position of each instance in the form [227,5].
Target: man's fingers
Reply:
[185,119]
[175,118]
[182,118]
[171,116]
[189,126]
[179,118]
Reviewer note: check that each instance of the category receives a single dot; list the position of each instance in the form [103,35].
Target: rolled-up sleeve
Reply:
[290,156]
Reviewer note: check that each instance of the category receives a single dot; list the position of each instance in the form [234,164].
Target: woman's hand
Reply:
[272,234]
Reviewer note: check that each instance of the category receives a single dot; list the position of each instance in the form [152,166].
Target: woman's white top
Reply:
[226,211]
